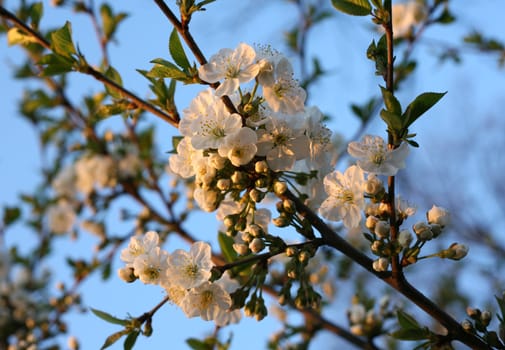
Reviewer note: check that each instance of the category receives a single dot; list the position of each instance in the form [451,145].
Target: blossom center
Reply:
[347,196]
[207,297]
[152,272]
[192,270]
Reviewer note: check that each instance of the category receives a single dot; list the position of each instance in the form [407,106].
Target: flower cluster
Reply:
[346,191]
[184,276]
[89,173]
[236,154]
[364,320]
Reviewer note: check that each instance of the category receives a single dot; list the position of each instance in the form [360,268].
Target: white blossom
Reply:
[240,147]
[139,245]
[345,196]
[284,94]
[405,16]
[283,141]
[151,268]
[207,300]
[374,156]
[61,217]
[234,66]
[190,269]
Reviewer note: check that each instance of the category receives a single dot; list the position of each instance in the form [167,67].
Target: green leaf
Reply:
[197,344]
[36,11]
[165,69]
[130,340]
[109,318]
[177,51]
[111,339]
[118,107]
[226,245]
[410,334]
[419,106]
[56,64]
[61,41]
[11,214]
[113,75]
[353,7]
[391,102]
[406,321]
[393,121]
[110,21]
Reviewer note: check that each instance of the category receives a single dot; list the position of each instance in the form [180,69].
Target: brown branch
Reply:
[183,30]
[172,119]
[399,283]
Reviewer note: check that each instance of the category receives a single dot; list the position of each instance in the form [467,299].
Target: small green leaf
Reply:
[130,340]
[393,121]
[165,69]
[226,245]
[197,344]
[108,317]
[11,214]
[118,107]
[56,64]
[177,51]
[353,7]
[406,321]
[410,334]
[419,106]
[111,339]
[113,75]
[61,41]
[391,102]
[36,11]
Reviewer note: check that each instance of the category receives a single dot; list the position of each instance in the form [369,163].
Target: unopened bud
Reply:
[126,274]
[223,184]
[370,222]
[423,231]
[281,221]
[380,264]
[257,245]
[256,195]
[261,167]
[280,187]
[291,251]
[438,215]
[405,238]
[382,229]
[289,206]
[241,249]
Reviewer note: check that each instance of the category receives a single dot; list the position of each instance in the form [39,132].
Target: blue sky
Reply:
[475,89]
